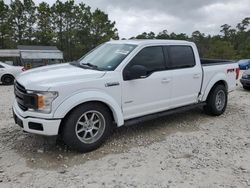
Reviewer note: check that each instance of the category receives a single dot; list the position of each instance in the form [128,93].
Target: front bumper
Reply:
[245,82]
[48,127]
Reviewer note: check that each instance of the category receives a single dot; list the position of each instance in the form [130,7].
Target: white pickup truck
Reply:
[116,84]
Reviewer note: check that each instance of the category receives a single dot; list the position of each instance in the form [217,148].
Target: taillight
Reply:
[237,73]
[23,69]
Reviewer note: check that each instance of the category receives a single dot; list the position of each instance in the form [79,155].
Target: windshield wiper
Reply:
[90,65]
[85,65]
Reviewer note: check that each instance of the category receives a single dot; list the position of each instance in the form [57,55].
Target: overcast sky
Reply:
[133,17]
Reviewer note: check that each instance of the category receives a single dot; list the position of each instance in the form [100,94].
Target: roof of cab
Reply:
[150,41]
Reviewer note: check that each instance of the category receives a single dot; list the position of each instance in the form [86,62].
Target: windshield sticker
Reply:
[124,52]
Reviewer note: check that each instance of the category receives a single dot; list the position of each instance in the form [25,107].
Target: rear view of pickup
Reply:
[120,83]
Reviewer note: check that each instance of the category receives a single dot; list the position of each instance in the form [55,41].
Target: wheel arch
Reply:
[219,79]
[73,102]
[7,74]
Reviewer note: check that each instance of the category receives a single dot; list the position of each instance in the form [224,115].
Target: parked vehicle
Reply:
[120,83]
[8,73]
[245,80]
[244,64]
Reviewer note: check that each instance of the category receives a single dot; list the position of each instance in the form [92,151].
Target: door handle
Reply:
[166,80]
[196,76]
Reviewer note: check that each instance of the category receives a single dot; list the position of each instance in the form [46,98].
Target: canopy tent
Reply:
[9,53]
[41,54]
[32,56]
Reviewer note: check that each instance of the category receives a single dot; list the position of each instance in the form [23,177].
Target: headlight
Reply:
[44,101]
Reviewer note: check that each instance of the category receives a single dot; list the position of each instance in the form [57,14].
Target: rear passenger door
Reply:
[187,75]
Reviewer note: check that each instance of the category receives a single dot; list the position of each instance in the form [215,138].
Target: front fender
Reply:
[88,96]
[218,77]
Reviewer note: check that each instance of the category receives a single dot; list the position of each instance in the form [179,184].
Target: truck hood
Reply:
[43,78]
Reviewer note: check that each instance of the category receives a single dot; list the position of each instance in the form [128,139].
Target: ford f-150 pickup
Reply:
[120,83]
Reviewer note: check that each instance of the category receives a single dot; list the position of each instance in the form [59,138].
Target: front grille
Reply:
[20,87]
[20,91]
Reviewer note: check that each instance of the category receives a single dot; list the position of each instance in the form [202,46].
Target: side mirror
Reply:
[135,72]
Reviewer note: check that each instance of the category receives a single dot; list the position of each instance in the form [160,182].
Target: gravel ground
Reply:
[187,149]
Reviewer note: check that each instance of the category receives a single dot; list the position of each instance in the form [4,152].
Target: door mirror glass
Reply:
[136,72]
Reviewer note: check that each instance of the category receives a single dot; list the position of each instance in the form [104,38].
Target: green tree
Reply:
[17,21]
[58,15]
[201,41]
[145,35]
[244,49]
[44,33]
[29,13]
[163,35]
[151,35]
[70,23]
[76,29]
[83,30]
[225,29]
[5,39]
[220,50]
[22,19]
[243,25]
[102,29]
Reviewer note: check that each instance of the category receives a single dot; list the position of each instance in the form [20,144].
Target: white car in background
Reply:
[8,73]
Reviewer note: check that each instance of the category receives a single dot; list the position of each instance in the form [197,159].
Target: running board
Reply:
[162,114]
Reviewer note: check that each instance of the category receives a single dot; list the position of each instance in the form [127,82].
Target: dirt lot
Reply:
[188,149]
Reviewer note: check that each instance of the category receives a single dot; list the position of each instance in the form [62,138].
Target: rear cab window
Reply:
[180,57]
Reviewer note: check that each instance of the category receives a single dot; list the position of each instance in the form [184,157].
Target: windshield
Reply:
[107,56]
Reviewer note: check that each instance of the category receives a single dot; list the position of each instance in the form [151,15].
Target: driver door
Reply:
[151,93]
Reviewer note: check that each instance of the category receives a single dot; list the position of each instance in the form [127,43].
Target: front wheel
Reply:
[7,79]
[87,127]
[216,101]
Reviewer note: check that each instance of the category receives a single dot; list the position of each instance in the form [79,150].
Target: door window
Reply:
[151,58]
[181,57]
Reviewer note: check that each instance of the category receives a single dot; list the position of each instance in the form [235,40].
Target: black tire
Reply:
[70,125]
[7,79]
[211,107]
[246,88]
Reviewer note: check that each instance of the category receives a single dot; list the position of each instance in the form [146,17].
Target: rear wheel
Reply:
[216,101]
[7,79]
[246,88]
[87,127]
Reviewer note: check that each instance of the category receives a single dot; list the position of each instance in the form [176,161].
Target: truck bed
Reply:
[218,69]
[209,62]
